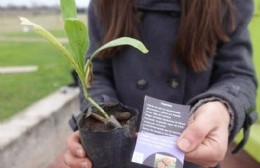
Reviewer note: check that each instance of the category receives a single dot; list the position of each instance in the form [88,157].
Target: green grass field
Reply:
[57,32]
[253,145]
[20,90]
[255,36]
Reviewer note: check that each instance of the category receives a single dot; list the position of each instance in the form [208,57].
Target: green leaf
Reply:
[68,9]
[118,42]
[123,41]
[78,39]
[53,40]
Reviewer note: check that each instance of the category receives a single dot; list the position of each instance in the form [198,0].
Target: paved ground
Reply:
[240,160]
[35,136]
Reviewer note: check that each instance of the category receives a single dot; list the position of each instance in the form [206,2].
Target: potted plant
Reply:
[110,143]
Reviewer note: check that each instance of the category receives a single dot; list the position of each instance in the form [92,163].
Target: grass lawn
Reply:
[56,32]
[255,36]
[18,91]
[253,145]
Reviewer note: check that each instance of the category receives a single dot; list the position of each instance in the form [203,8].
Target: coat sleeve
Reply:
[102,89]
[233,77]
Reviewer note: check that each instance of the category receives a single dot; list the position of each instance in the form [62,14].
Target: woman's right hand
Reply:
[75,157]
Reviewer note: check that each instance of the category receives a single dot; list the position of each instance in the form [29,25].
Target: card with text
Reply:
[161,125]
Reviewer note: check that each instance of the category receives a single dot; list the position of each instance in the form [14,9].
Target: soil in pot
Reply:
[109,147]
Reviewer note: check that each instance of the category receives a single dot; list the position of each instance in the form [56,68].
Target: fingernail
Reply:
[80,153]
[184,144]
[84,165]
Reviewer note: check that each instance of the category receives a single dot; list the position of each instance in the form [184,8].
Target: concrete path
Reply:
[35,136]
[17,69]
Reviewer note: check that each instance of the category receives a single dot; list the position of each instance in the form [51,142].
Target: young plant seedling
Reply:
[77,35]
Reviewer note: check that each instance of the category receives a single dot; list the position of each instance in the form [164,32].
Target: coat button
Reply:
[173,83]
[142,84]
[140,15]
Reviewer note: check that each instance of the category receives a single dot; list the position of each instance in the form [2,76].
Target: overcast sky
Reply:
[29,3]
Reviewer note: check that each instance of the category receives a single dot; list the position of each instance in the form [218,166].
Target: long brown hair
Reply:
[202,22]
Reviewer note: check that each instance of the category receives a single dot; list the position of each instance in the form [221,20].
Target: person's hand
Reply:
[75,157]
[205,139]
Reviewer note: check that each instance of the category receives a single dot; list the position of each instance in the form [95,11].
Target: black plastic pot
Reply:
[110,148]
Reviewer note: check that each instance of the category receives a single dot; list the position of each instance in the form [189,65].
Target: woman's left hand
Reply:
[205,139]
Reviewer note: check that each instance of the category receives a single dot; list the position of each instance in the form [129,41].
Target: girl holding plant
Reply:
[199,54]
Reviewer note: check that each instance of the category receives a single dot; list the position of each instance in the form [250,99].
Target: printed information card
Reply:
[161,125]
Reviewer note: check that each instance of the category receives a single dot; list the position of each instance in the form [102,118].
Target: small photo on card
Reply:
[163,161]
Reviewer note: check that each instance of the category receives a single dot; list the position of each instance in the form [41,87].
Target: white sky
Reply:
[29,3]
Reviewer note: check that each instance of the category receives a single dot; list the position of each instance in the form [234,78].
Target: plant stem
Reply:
[93,103]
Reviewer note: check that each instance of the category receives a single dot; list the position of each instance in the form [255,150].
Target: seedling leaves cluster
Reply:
[77,35]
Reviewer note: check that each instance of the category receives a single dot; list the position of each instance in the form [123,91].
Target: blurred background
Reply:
[35,103]
[21,47]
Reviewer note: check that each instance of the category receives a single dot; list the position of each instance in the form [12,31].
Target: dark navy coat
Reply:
[130,75]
